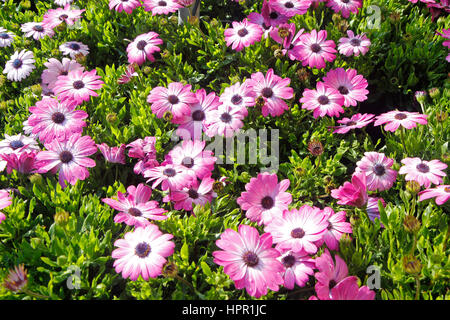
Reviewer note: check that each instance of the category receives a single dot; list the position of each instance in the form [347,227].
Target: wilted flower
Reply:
[17,279]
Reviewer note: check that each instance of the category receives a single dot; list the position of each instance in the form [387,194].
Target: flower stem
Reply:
[34,294]
[402,136]
[417,287]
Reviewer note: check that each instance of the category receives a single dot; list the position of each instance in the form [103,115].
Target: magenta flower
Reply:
[239,96]
[395,119]
[78,85]
[195,161]
[271,16]
[354,44]
[297,268]
[348,289]
[161,7]
[441,193]
[298,230]
[264,23]
[142,252]
[193,125]
[354,193]
[121,5]
[54,17]
[143,47]
[5,201]
[69,157]
[423,172]
[24,163]
[290,8]
[337,226]
[357,121]
[135,208]
[145,151]
[373,210]
[350,85]
[242,34]
[36,30]
[314,49]
[323,100]
[127,75]
[265,198]
[56,68]
[224,121]
[329,274]
[377,168]
[51,119]
[289,42]
[345,6]
[177,99]
[193,194]
[170,176]
[249,260]
[273,89]
[113,154]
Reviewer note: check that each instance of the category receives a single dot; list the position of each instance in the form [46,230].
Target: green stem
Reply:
[402,135]
[34,294]
[417,287]
[186,283]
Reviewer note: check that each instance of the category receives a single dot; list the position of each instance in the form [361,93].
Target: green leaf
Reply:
[185,252]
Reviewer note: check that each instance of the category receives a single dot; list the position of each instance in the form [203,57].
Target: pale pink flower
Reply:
[143,47]
[289,42]
[161,7]
[36,30]
[193,194]
[74,48]
[5,201]
[345,6]
[271,16]
[56,68]
[337,226]
[242,34]
[354,44]
[225,121]
[314,49]
[354,193]
[348,289]
[395,119]
[323,100]
[351,86]
[239,96]
[170,176]
[24,163]
[78,85]
[297,268]
[249,260]
[377,168]
[423,172]
[290,8]
[127,75]
[357,121]
[145,151]
[124,5]
[372,208]
[441,193]
[329,274]
[113,154]
[54,17]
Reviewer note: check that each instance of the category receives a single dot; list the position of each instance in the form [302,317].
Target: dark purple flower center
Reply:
[236,99]
[288,261]
[65,156]
[74,46]
[79,84]
[330,225]
[250,259]
[422,167]
[162,3]
[400,116]
[297,233]
[193,194]
[225,117]
[173,99]
[267,92]
[141,44]
[16,144]
[4,35]
[351,123]
[273,15]
[316,48]
[63,17]
[267,202]
[332,284]
[38,28]
[198,115]
[63,73]
[343,90]
[188,162]
[379,169]
[265,27]
[289,5]
[142,249]
[135,212]
[58,117]
[169,172]
[323,100]
[355,42]
[243,32]
[17,63]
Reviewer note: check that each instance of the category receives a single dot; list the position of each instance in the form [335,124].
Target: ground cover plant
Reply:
[267,149]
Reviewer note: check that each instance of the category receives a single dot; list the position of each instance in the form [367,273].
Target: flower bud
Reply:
[278,53]
[434,93]
[420,96]
[80,58]
[441,116]
[111,117]
[36,89]
[165,54]
[170,270]
[146,70]
[193,20]
[168,116]
[411,224]
[315,147]
[413,187]
[173,19]
[411,264]
[163,21]
[394,17]
[36,178]
[214,23]
[303,75]
[26,4]
[17,279]
[61,217]
[260,102]
[3,106]
[61,27]
[283,32]
[217,186]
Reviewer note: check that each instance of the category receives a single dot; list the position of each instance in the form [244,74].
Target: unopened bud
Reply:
[36,89]
[36,178]
[283,32]
[411,264]
[413,187]
[147,70]
[411,224]
[278,53]
[168,116]
[315,147]
[61,217]
[170,270]
[434,93]
[111,117]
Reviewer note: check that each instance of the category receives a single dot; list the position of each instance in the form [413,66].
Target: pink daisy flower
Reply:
[377,168]
[74,48]
[265,198]
[143,47]
[290,8]
[337,226]
[357,121]
[124,5]
[373,210]
[239,96]
[225,121]
[345,6]
[191,155]
[323,100]
[273,89]
[193,194]
[193,125]
[69,157]
[242,34]
[314,49]
[113,154]
[19,66]
[348,289]
[36,30]
[289,42]
[136,209]
[17,144]
[62,3]
[127,75]
[56,68]
[271,16]
[297,268]
[351,86]
[6,38]
[161,7]
[78,85]
[24,163]
[354,193]
[354,44]
[249,260]
[298,230]
[257,18]
[395,119]
[441,193]
[51,119]
[329,274]
[54,17]
[423,172]
[5,201]
[176,98]
[142,252]
[145,151]
[170,176]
